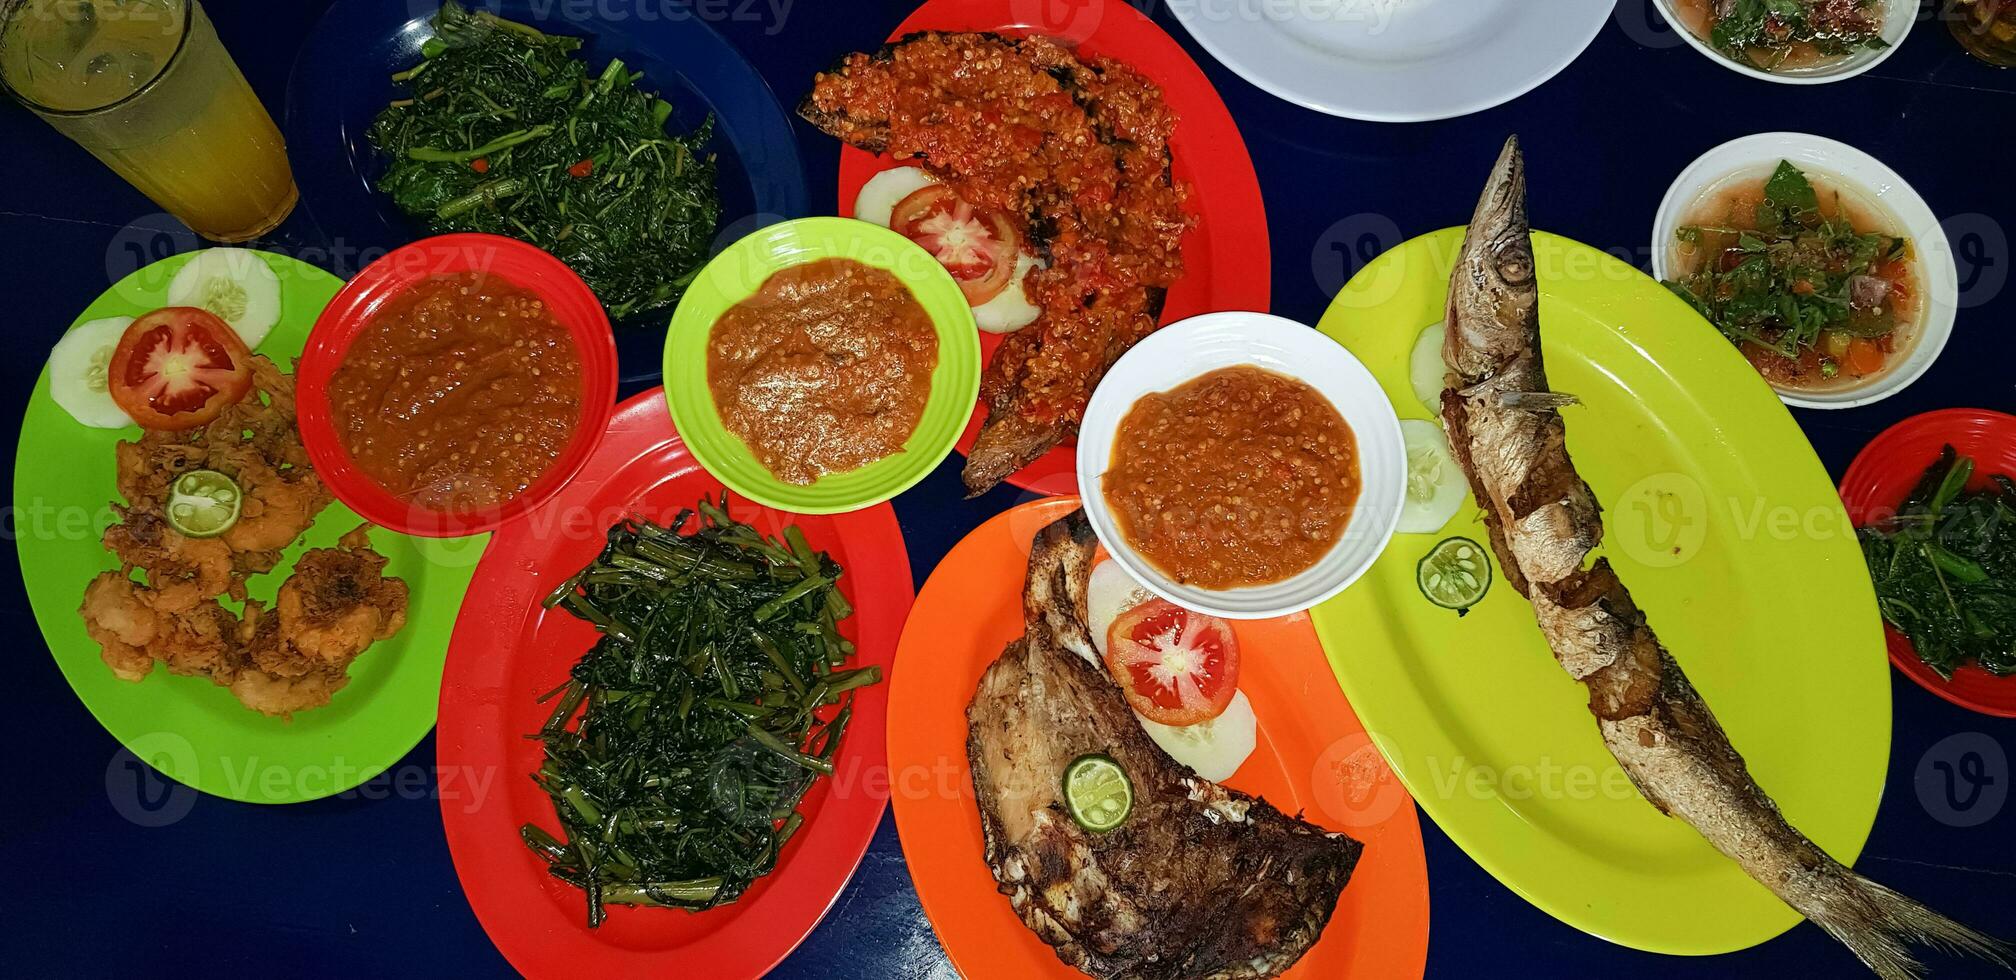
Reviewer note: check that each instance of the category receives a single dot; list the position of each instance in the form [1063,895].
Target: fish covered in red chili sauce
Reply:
[1075,150]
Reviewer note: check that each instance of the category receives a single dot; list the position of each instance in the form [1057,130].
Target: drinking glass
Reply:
[147,88]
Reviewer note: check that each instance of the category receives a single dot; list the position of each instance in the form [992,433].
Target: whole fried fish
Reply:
[1507,433]
[1199,882]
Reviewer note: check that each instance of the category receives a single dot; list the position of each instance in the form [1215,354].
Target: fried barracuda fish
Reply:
[1200,881]
[1507,432]
[1074,150]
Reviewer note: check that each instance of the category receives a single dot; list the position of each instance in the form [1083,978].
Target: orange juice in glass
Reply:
[147,88]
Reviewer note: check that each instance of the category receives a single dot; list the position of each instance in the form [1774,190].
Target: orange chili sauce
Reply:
[1237,478]
[826,369]
[459,394]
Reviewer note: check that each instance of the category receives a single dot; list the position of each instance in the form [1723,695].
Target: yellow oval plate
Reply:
[1725,525]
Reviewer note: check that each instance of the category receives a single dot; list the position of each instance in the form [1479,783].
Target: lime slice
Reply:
[1455,574]
[203,504]
[1097,793]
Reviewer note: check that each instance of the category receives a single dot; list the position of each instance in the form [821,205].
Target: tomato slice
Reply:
[1175,666]
[977,246]
[178,368]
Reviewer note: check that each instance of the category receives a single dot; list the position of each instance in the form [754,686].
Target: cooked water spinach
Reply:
[701,710]
[506,131]
[1945,568]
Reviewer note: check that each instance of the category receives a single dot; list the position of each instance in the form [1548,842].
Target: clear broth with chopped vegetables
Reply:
[1785,35]
[1811,282]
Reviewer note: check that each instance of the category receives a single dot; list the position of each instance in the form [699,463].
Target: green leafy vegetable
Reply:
[703,710]
[507,132]
[1945,568]
[1796,276]
[1763,32]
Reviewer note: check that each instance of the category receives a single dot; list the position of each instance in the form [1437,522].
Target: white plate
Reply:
[1395,60]
[1897,23]
[1878,187]
[1182,351]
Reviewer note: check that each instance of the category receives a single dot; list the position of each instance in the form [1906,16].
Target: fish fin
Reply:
[1880,925]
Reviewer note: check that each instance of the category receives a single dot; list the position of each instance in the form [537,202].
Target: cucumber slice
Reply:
[1097,793]
[1109,591]
[1425,368]
[234,283]
[1455,574]
[878,197]
[203,504]
[77,372]
[1215,748]
[1435,484]
[1010,311]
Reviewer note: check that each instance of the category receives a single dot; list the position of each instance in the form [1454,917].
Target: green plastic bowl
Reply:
[734,276]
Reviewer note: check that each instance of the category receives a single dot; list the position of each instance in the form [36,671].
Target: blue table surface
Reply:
[362,884]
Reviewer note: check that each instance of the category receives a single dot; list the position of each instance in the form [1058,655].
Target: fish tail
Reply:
[1881,925]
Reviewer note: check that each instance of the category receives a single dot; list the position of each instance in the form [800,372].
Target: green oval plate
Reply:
[1724,524]
[734,276]
[188,728]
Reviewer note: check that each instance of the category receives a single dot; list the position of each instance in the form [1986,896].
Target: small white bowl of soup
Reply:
[1843,44]
[1242,465]
[1872,324]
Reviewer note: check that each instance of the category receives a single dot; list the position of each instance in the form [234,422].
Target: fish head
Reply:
[1494,295]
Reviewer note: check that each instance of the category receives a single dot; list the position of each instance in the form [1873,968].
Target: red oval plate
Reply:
[1225,257]
[346,316]
[1884,472]
[507,651]
[1312,757]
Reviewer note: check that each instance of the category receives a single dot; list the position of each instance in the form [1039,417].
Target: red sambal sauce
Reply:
[459,394]
[1087,163]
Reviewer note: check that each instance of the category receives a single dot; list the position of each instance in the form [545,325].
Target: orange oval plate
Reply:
[1313,757]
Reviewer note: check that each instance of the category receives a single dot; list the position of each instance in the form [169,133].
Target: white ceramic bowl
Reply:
[1395,60]
[1182,351]
[1897,24]
[1861,176]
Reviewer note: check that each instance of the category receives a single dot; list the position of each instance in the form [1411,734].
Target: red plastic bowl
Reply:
[526,266]
[1885,471]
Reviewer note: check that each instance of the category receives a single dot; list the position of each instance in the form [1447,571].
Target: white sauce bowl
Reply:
[1183,351]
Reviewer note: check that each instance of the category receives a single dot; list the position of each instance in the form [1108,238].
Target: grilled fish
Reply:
[1507,433]
[1200,881]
